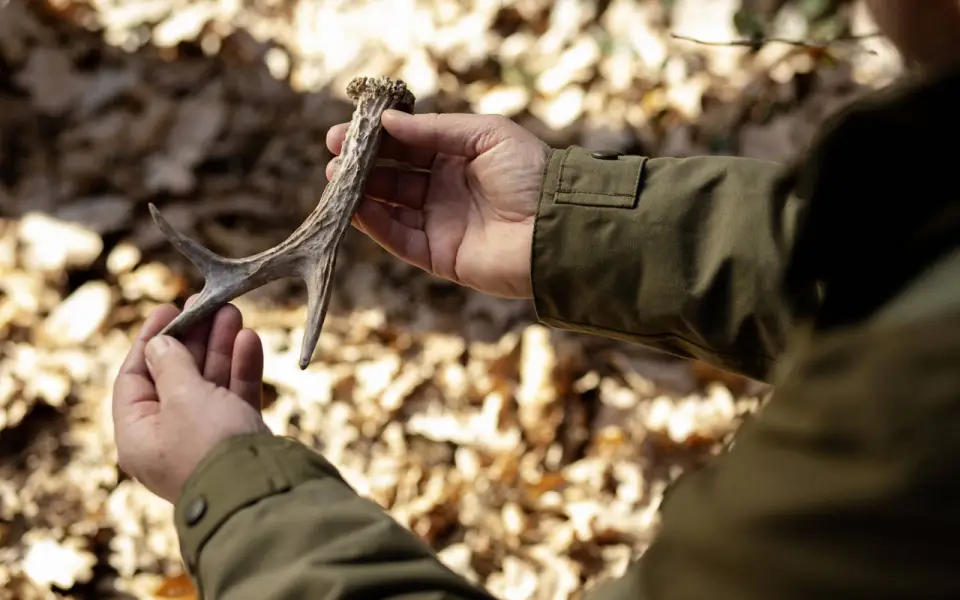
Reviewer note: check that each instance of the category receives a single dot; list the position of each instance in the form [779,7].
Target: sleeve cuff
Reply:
[602,178]
[682,255]
[237,473]
[587,204]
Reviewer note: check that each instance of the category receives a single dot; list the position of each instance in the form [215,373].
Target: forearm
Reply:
[683,255]
[279,523]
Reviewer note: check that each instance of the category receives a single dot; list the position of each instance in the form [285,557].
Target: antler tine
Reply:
[311,251]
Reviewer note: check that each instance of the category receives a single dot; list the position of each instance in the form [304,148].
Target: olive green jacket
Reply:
[837,279]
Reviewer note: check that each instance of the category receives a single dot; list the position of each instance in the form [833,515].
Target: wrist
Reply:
[223,447]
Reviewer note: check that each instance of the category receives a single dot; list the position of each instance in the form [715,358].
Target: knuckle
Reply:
[499,122]
[434,124]
[490,133]
[229,313]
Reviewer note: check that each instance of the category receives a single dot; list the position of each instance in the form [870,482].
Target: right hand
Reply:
[470,219]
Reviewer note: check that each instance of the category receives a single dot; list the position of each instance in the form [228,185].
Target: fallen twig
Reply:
[756,43]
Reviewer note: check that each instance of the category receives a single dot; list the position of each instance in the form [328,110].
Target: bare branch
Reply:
[311,251]
[762,41]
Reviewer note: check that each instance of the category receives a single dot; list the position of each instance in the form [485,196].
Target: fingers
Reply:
[133,391]
[416,139]
[390,148]
[398,229]
[173,367]
[246,374]
[227,323]
[215,362]
[394,186]
[210,342]
[463,135]
[135,363]
[195,338]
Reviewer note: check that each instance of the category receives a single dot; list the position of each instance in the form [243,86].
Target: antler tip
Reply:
[156,216]
[158,219]
[311,337]
[154,213]
[307,350]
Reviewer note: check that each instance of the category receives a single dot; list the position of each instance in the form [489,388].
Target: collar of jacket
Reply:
[880,198]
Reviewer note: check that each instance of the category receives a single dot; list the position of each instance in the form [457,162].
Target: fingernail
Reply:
[156,348]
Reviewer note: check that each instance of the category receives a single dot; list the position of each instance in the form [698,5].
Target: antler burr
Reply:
[311,251]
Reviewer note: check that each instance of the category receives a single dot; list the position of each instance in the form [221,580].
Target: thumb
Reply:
[171,366]
[463,135]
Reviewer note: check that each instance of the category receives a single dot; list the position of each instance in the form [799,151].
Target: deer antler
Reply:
[311,251]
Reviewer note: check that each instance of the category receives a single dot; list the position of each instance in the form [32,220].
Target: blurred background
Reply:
[533,460]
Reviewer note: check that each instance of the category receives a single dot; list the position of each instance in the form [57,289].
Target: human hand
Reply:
[173,402]
[468,219]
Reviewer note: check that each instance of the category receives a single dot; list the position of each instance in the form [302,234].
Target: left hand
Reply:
[173,402]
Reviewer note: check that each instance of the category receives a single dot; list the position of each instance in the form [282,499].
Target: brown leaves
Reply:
[50,79]
[533,460]
[196,125]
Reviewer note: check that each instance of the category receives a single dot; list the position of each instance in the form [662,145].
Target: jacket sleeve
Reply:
[684,255]
[844,486]
[265,517]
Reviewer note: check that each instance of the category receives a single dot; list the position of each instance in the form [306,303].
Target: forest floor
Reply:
[533,460]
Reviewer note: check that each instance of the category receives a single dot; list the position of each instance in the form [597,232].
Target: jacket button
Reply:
[195,511]
[606,154]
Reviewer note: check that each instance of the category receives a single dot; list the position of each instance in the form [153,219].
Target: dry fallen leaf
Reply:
[178,587]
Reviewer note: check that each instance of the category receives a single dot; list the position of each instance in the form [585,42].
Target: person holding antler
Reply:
[834,278]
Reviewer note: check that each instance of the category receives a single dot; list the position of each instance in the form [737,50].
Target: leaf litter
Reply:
[532,460]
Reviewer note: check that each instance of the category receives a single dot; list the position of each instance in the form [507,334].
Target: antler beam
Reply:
[311,251]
